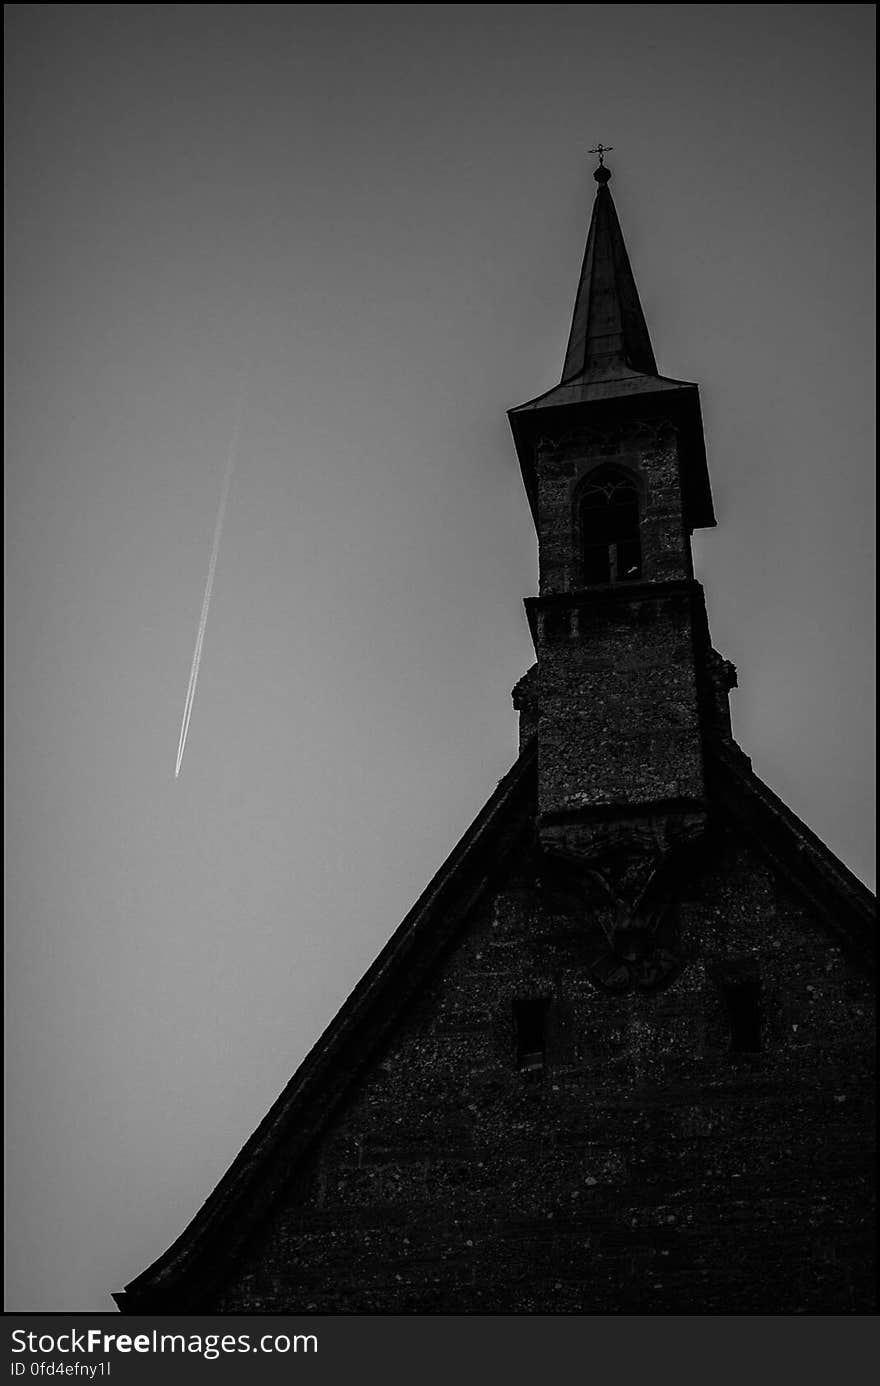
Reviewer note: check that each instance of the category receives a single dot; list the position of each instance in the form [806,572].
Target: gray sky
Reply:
[391,202]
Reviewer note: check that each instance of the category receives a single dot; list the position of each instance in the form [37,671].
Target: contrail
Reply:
[212,567]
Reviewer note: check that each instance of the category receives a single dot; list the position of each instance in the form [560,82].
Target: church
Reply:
[618,1057]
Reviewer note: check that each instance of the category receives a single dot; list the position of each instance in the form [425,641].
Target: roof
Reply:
[608,360]
[848,908]
[181,1280]
[609,336]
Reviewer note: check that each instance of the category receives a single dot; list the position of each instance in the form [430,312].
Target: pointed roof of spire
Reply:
[609,336]
[609,361]
[609,350]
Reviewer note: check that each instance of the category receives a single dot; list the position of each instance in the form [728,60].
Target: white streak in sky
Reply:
[212,567]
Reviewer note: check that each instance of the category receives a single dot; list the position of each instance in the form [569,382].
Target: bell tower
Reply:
[614,466]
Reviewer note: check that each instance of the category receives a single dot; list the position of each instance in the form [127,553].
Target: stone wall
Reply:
[649,453]
[618,696]
[638,1166]
[617,664]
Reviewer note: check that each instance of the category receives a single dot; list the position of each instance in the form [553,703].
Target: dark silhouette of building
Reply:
[617,1059]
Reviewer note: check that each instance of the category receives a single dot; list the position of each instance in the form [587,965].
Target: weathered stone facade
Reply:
[618,1058]
[644,1168]
[619,698]
[619,714]
[646,449]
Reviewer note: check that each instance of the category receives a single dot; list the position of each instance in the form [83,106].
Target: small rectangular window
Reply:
[530,1021]
[742,999]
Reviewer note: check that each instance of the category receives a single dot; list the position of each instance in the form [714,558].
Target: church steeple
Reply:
[609,360]
[609,336]
[614,464]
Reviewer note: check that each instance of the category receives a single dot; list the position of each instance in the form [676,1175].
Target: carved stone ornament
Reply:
[622,878]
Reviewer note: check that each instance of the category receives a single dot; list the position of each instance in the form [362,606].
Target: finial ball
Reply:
[602,174]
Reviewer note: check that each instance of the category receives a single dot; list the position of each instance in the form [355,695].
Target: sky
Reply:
[361,227]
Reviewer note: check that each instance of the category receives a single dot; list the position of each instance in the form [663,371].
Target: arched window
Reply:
[609,520]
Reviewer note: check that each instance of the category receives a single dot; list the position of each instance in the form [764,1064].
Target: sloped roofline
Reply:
[844,902]
[179,1280]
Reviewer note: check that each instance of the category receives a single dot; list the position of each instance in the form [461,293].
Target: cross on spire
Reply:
[601,150]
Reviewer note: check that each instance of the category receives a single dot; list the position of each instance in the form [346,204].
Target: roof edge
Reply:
[650,383]
[845,902]
[176,1281]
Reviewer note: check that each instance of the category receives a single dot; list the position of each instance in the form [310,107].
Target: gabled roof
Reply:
[181,1280]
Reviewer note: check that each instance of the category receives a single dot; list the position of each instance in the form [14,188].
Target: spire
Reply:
[609,337]
[610,368]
